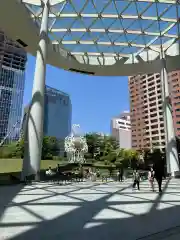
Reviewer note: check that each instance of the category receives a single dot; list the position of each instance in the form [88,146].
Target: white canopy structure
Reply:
[96,37]
[126,36]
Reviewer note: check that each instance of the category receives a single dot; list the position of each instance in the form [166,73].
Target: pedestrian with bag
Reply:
[136,178]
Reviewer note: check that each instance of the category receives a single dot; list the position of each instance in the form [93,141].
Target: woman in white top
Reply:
[151,175]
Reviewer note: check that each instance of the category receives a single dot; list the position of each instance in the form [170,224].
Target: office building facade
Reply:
[146,108]
[57,115]
[121,130]
[174,87]
[12,79]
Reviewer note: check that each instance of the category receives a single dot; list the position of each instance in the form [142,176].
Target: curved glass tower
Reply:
[57,114]
[12,78]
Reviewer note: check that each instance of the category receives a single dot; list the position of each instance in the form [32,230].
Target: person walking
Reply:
[121,172]
[120,175]
[98,173]
[159,172]
[136,177]
[151,175]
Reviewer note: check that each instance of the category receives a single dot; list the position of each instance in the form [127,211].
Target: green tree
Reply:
[8,151]
[94,142]
[109,146]
[128,157]
[50,147]
[20,147]
[111,156]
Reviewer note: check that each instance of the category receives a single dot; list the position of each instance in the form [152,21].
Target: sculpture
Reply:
[76,146]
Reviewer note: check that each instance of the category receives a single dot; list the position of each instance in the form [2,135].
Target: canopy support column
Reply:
[35,117]
[171,148]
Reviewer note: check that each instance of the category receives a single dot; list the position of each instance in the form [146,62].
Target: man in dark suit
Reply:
[121,172]
[159,172]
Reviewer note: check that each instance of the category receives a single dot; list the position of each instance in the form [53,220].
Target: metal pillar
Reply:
[35,116]
[171,148]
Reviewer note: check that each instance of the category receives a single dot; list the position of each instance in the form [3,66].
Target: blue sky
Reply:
[95,100]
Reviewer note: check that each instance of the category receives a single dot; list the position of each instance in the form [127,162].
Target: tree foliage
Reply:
[50,148]
[94,143]
[8,151]
[127,157]
[100,148]
[106,149]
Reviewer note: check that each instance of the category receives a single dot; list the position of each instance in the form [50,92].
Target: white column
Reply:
[35,118]
[171,148]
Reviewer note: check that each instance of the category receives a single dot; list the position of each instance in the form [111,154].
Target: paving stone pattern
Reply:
[89,210]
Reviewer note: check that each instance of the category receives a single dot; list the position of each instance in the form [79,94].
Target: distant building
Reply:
[146,107]
[121,130]
[57,114]
[12,78]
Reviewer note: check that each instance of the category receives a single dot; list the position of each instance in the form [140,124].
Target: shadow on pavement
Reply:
[110,217]
[7,194]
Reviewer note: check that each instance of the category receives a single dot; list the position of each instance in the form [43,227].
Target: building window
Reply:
[174,75]
[176,91]
[177,103]
[176,85]
[121,122]
[177,97]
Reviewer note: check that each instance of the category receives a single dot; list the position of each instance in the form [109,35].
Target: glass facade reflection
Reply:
[12,79]
[57,115]
[58,111]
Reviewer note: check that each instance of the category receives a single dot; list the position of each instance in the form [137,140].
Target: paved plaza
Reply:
[88,210]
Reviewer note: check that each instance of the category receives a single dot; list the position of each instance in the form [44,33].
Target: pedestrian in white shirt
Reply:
[151,175]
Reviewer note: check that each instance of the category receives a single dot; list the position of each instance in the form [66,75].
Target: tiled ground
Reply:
[87,211]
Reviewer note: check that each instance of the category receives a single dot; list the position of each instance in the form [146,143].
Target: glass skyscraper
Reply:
[12,78]
[57,115]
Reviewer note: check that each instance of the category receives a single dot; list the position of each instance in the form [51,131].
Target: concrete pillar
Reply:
[35,116]
[171,148]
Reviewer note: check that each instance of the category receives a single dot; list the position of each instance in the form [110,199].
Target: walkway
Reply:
[85,211]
